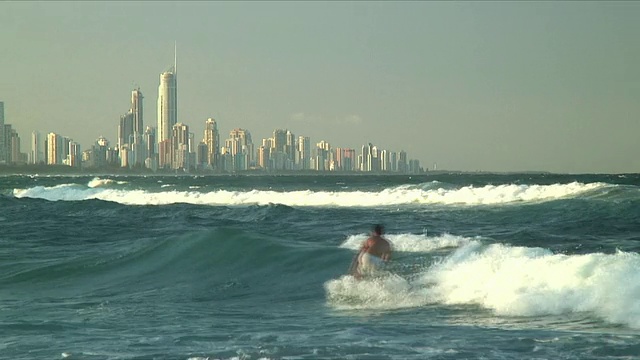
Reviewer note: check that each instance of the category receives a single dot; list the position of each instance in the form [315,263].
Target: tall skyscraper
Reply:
[74,156]
[212,139]
[263,157]
[402,162]
[136,110]
[167,103]
[290,146]
[3,143]
[36,156]
[149,140]
[393,159]
[304,148]
[369,158]
[180,146]
[14,147]
[279,140]
[385,161]
[7,132]
[54,149]
[125,130]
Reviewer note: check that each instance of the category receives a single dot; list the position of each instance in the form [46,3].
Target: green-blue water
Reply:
[485,267]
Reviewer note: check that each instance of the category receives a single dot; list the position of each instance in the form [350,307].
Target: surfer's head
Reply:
[378,229]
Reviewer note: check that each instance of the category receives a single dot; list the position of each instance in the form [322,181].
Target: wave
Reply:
[509,281]
[98,182]
[425,194]
[412,242]
[192,258]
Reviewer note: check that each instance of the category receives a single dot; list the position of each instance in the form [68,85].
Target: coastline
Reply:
[62,170]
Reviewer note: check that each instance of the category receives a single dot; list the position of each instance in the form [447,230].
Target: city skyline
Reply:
[467,86]
[284,151]
[171,145]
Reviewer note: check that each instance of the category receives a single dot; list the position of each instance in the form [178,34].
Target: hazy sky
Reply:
[496,86]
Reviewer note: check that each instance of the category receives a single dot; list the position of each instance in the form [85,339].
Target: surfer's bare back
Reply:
[374,252]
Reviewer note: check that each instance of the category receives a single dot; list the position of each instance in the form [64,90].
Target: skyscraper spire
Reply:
[175,57]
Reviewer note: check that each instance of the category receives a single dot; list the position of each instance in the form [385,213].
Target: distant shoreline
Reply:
[61,170]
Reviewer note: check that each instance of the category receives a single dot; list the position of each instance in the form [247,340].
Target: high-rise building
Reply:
[414,166]
[3,142]
[36,156]
[164,154]
[125,130]
[385,162]
[7,132]
[322,158]
[100,152]
[54,149]
[66,146]
[167,103]
[202,155]
[180,146]
[375,159]
[263,157]
[366,157]
[243,136]
[212,139]
[393,159]
[74,156]
[304,148]
[14,148]
[149,141]
[290,146]
[240,147]
[370,158]
[402,162]
[349,159]
[280,140]
[136,110]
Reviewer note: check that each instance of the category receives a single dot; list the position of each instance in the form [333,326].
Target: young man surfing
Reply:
[374,253]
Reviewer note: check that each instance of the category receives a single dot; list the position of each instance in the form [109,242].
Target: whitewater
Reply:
[420,194]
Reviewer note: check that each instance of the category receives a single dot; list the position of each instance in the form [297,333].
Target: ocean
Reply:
[485,266]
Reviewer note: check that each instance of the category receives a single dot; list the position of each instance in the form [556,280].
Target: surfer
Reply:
[374,252]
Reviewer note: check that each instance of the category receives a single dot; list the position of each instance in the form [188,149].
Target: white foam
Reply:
[510,281]
[383,293]
[390,291]
[500,194]
[412,242]
[97,182]
[401,195]
[532,281]
[65,192]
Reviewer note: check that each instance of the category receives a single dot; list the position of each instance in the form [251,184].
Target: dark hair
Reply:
[378,228]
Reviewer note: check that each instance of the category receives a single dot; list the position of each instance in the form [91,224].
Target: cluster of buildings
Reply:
[9,142]
[171,146]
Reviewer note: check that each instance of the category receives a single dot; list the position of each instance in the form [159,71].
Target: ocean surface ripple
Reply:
[495,266]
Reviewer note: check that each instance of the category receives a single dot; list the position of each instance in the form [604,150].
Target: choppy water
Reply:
[485,267]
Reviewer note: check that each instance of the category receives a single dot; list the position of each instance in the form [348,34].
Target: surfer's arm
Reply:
[365,245]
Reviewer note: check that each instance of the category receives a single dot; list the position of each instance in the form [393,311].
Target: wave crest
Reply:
[510,281]
[395,196]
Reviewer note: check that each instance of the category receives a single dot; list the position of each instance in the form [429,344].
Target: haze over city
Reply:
[469,86]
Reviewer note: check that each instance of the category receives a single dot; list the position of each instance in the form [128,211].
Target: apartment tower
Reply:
[167,103]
